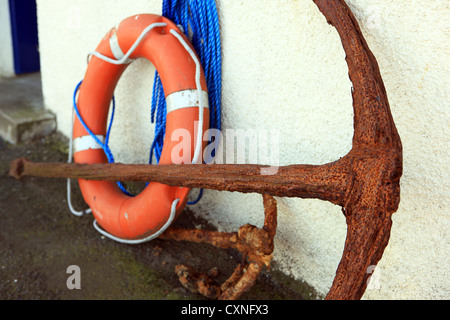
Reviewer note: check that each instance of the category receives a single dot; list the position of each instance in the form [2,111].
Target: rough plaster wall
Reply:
[284,72]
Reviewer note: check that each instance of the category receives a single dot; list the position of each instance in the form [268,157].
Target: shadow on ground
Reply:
[40,239]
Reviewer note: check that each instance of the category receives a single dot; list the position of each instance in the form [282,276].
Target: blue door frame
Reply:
[24,35]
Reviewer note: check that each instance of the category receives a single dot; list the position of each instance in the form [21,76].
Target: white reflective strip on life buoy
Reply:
[87,142]
[116,50]
[185,99]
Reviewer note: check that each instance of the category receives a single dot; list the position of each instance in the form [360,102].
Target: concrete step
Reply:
[22,113]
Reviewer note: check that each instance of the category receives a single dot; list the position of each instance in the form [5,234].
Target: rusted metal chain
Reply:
[255,244]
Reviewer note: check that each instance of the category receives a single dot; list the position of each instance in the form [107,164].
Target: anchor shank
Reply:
[326,182]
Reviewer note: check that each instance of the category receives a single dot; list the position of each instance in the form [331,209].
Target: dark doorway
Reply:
[24,35]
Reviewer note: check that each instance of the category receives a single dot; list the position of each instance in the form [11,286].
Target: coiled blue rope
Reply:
[201,18]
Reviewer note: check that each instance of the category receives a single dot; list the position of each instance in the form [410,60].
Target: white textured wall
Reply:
[284,70]
[6,46]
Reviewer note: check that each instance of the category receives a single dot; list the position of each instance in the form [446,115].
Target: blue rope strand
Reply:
[104,145]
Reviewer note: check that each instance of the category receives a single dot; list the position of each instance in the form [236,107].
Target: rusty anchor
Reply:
[365,182]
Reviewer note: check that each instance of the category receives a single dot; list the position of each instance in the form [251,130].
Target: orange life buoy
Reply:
[159,40]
